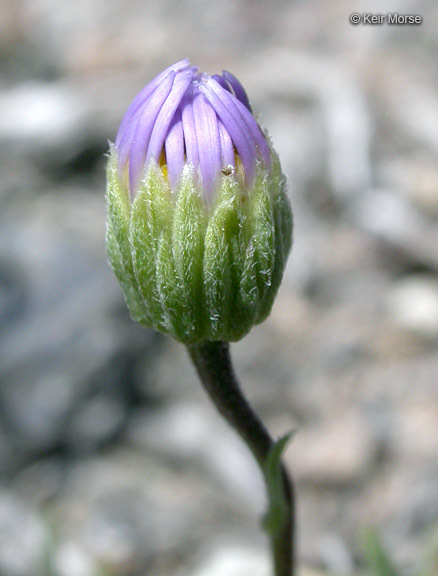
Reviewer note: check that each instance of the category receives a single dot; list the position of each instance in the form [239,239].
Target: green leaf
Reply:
[377,558]
[276,516]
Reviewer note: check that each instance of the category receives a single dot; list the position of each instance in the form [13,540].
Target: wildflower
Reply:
[199,223]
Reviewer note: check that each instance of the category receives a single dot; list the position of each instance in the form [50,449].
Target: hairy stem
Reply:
[213,364]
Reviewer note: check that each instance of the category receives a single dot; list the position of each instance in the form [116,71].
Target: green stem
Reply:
[213,364]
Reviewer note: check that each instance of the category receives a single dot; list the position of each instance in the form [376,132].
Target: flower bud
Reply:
[199,222]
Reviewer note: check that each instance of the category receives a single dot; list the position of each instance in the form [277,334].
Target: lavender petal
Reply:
[190,139]
[256,133]
[144,129]
[209,144]
[238,89]
[194,118]
[224,105]
[124,145]
[144,95]
[164,118]
[174,146]
[220,80]
[251,128]
[227,149]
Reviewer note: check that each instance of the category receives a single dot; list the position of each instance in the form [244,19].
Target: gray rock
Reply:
[127,510]
[412,304]
[335,94]
[336,555]
[96,422]
[24,540]
[390,218]
[232,559]
[336,453]
[40,113]
[63,343]
[71,560]
[41,481]
[193,434]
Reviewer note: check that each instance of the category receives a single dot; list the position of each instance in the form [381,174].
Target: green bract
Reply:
[197,269]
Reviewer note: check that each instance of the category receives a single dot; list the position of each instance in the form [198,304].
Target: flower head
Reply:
[199,223]
[184,117]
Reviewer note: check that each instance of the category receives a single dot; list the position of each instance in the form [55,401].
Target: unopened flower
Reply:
[199,223]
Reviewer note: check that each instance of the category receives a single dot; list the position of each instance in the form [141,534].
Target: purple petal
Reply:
[209,144]
[220,80]
[164,118]
[190,139]
[227,149]
[238,89]
[127,135]
[174,146]
[201,120]
[125,142]
[151,109]
[224,105]
[144,95]
[256,133]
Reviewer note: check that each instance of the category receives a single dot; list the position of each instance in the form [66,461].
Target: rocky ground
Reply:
[112,461]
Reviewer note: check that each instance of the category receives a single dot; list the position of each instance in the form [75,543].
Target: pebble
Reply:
[193,434]
[71,560]
[338,452]
[232,560]
[24,539]
[412,304]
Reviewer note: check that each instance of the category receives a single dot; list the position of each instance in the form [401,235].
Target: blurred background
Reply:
[112,461]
